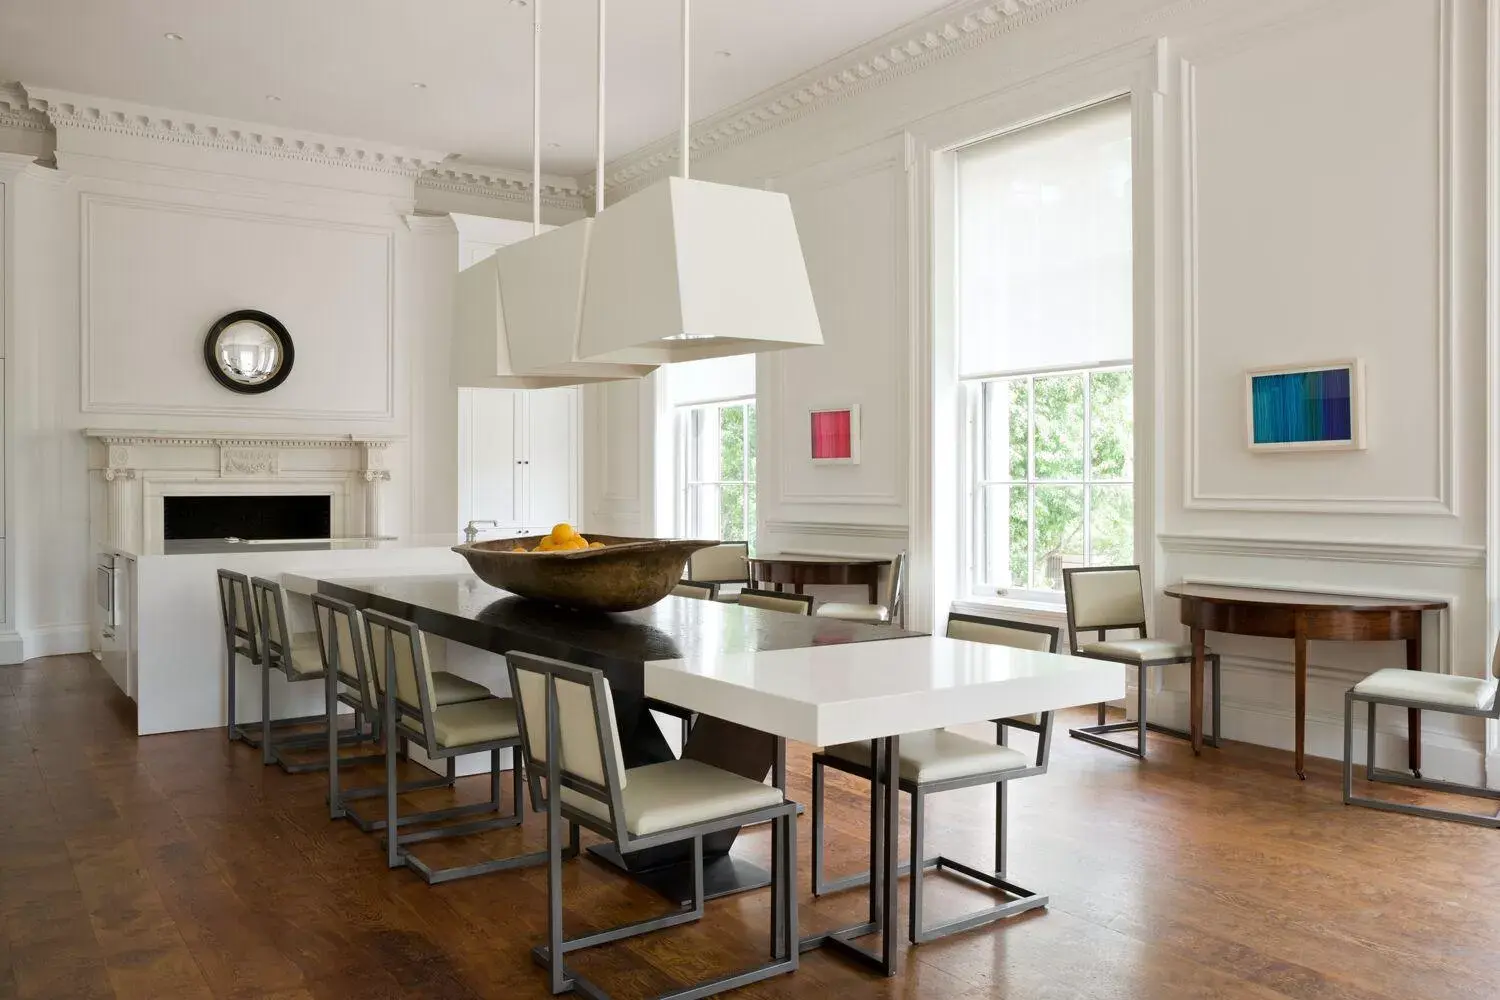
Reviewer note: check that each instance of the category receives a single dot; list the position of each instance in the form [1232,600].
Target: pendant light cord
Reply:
[599,126]
[536,116]
[682,149]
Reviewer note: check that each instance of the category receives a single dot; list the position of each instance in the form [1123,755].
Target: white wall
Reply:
[127,253]
[1308,173]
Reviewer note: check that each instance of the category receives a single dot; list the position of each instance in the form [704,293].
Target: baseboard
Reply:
[56,640]
[1492,770]
[12,647]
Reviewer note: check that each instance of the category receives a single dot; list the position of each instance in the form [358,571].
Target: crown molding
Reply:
[956,28]
[502,184]
[16,112]
[66,111]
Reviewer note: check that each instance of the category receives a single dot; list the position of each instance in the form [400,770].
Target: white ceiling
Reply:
[346,67]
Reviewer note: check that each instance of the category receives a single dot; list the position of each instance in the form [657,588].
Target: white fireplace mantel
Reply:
[140,468]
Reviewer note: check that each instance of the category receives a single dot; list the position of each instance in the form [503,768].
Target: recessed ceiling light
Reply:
[723,53]
[272,97]
[554,145]
[172,36]
[518,3]
[418,85]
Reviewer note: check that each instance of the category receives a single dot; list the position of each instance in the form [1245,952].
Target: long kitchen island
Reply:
[463,609]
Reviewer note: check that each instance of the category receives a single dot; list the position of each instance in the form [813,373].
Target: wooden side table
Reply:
[818,571]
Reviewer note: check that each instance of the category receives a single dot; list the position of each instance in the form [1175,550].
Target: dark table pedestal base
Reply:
[723,875]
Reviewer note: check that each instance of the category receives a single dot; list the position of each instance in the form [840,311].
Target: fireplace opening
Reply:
[250,517]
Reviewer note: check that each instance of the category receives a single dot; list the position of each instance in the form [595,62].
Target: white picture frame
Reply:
[854,435]
[1262,436]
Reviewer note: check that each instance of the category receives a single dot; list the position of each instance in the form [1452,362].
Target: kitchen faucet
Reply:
[471,531]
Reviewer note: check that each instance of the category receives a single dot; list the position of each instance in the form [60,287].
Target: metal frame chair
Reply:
[577,748]
[410,713]
[893,610]
[242,638]
[713,565]
[1428,692]
[1124,607]
[770,600]
[342,640]
[1024,635]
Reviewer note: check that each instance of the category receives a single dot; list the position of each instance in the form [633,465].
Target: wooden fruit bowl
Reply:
[626,575]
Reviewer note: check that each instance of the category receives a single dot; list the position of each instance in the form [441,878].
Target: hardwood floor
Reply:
[177,866]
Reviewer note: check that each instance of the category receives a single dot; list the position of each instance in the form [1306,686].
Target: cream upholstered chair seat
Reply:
[854,612]
[1436,689]
[678,793]
[939,755]
[472,722]
[1140,650]
[306,658]
[695,591]
[451,689]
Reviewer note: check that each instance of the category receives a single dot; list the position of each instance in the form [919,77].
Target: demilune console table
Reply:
[818,571]
[1300,617]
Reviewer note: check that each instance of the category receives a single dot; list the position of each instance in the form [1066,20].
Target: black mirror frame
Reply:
[271,323]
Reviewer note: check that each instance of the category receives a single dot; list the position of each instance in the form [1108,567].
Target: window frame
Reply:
[688,426]
[971,532]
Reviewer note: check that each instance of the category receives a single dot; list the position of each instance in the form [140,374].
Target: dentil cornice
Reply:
[502,183]
[954,29]
[15,111]
[64,111]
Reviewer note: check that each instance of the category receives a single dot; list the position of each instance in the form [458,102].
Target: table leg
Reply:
[1413,715]
[1195,693]
[884,885]
[1299,660]
[797,589]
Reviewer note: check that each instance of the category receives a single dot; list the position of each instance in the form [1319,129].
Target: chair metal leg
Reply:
[1002,794]
[817,828]
[1101,713]
[1348,772]
[331,702]
[267,756]
[1370,745]
[1140,710]
[231,717]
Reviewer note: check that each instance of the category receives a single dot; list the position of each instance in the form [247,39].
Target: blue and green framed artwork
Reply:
[1306,407]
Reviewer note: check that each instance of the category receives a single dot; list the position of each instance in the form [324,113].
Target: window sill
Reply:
[1042,611]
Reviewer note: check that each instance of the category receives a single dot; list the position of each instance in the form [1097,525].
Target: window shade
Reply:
[1044,245]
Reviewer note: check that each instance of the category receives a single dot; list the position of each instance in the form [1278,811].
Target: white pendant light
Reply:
[688,269]
[518,310]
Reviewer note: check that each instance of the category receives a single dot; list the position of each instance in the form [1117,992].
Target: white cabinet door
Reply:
[491,471]
[551,456]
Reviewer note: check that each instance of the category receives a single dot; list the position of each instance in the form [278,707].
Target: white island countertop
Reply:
[836,694]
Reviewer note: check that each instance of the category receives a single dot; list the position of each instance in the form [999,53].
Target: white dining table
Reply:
[823,695]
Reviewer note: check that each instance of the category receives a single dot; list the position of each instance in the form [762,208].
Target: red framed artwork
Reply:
[835,436]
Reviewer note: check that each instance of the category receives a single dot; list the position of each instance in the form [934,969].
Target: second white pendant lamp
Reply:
[689,269]
[519,310]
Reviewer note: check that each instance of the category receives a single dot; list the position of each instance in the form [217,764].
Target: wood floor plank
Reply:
[178,866]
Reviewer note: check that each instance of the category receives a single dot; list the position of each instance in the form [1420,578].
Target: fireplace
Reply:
[251,517]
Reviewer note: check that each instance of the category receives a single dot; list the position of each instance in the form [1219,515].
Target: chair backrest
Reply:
[398,651]
[582,750]
[1002,632]
[275,628]
[895,592]
[1020,635]
[728,562]
[342,645]
[769,600]
[1495,669]
[1103,597]
[237,612]
[697,591]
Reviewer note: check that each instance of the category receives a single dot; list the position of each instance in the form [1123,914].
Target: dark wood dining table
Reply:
[1302,617]
[799,571]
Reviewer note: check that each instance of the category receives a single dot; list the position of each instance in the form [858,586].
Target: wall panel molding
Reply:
[842,529]
[1197,496]
[240,406]
[1326,550]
